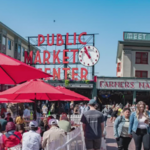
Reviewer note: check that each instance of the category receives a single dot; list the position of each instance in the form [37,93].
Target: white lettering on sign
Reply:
[123,84]
[140,36]
[129,35]
[144,35]
[136,36]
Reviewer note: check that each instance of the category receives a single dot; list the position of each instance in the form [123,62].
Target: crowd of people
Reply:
[131,121]
[23,133]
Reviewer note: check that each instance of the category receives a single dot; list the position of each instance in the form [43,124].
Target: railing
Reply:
[73,141]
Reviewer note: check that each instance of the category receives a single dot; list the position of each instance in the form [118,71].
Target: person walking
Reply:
[38,112]
[26,113]
[93,126]
[121,127]
[114,114]
[81,108]
[139,126]
[86,107]
[105,112]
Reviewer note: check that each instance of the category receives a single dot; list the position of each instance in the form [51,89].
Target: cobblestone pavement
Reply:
[110,140]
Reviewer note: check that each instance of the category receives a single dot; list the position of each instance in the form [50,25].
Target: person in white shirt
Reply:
[26,113]
[31,140]
[81,109]
[44,110]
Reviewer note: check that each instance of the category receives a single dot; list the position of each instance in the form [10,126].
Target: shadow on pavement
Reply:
[111,148]
[108,140]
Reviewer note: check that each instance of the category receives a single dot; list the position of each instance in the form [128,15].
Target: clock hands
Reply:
[86,52]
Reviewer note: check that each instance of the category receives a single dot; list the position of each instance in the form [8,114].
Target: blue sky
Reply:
[109,18]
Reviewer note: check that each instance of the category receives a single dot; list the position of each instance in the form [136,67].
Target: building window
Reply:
[19,49]
[23,49]
[9,44]
[141,74]
[4,40]
[141,58]
[0,38]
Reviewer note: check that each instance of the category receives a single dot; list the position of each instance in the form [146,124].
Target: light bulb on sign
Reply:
[89,56]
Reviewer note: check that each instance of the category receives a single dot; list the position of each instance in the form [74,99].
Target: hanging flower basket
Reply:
[66,82]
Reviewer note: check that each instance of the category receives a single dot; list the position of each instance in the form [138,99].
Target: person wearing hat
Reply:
[54,137]
[31,140]
[93,126]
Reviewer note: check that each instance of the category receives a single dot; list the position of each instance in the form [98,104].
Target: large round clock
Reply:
[89,55]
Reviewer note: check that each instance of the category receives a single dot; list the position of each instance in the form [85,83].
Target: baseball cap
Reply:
[52,121]
[92,101]
[33,124]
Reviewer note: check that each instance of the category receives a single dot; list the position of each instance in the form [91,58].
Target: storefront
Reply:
[123,90]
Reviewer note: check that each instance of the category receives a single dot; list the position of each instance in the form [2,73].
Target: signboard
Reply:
[88,56]
[136,36]
[120,84]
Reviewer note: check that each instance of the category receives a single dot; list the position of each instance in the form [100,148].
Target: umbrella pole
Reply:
[17,109]
[35,108]
[35,117]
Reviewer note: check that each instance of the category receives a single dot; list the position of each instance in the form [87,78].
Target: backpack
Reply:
[121,118]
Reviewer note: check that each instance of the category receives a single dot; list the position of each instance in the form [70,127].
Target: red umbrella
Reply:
[36,90]
[64,90]
[4,100]
[13,71]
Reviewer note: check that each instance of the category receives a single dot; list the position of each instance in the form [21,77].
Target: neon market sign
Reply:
[46,55]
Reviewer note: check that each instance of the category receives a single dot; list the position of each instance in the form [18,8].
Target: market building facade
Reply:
[133,55]
[133,72]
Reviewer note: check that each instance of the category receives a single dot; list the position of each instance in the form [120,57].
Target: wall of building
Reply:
[127,58]
[26,49]
[8,51]
[128,61]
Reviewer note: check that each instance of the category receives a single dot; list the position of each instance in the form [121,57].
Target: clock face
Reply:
[89,56]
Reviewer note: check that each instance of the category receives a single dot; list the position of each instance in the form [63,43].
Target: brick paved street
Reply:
[110,140]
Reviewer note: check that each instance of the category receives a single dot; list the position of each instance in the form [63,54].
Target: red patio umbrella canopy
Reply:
[4,100]
[13,71]
[36,90]
[64,90]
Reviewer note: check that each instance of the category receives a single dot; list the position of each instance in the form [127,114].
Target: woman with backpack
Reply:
[121,127]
